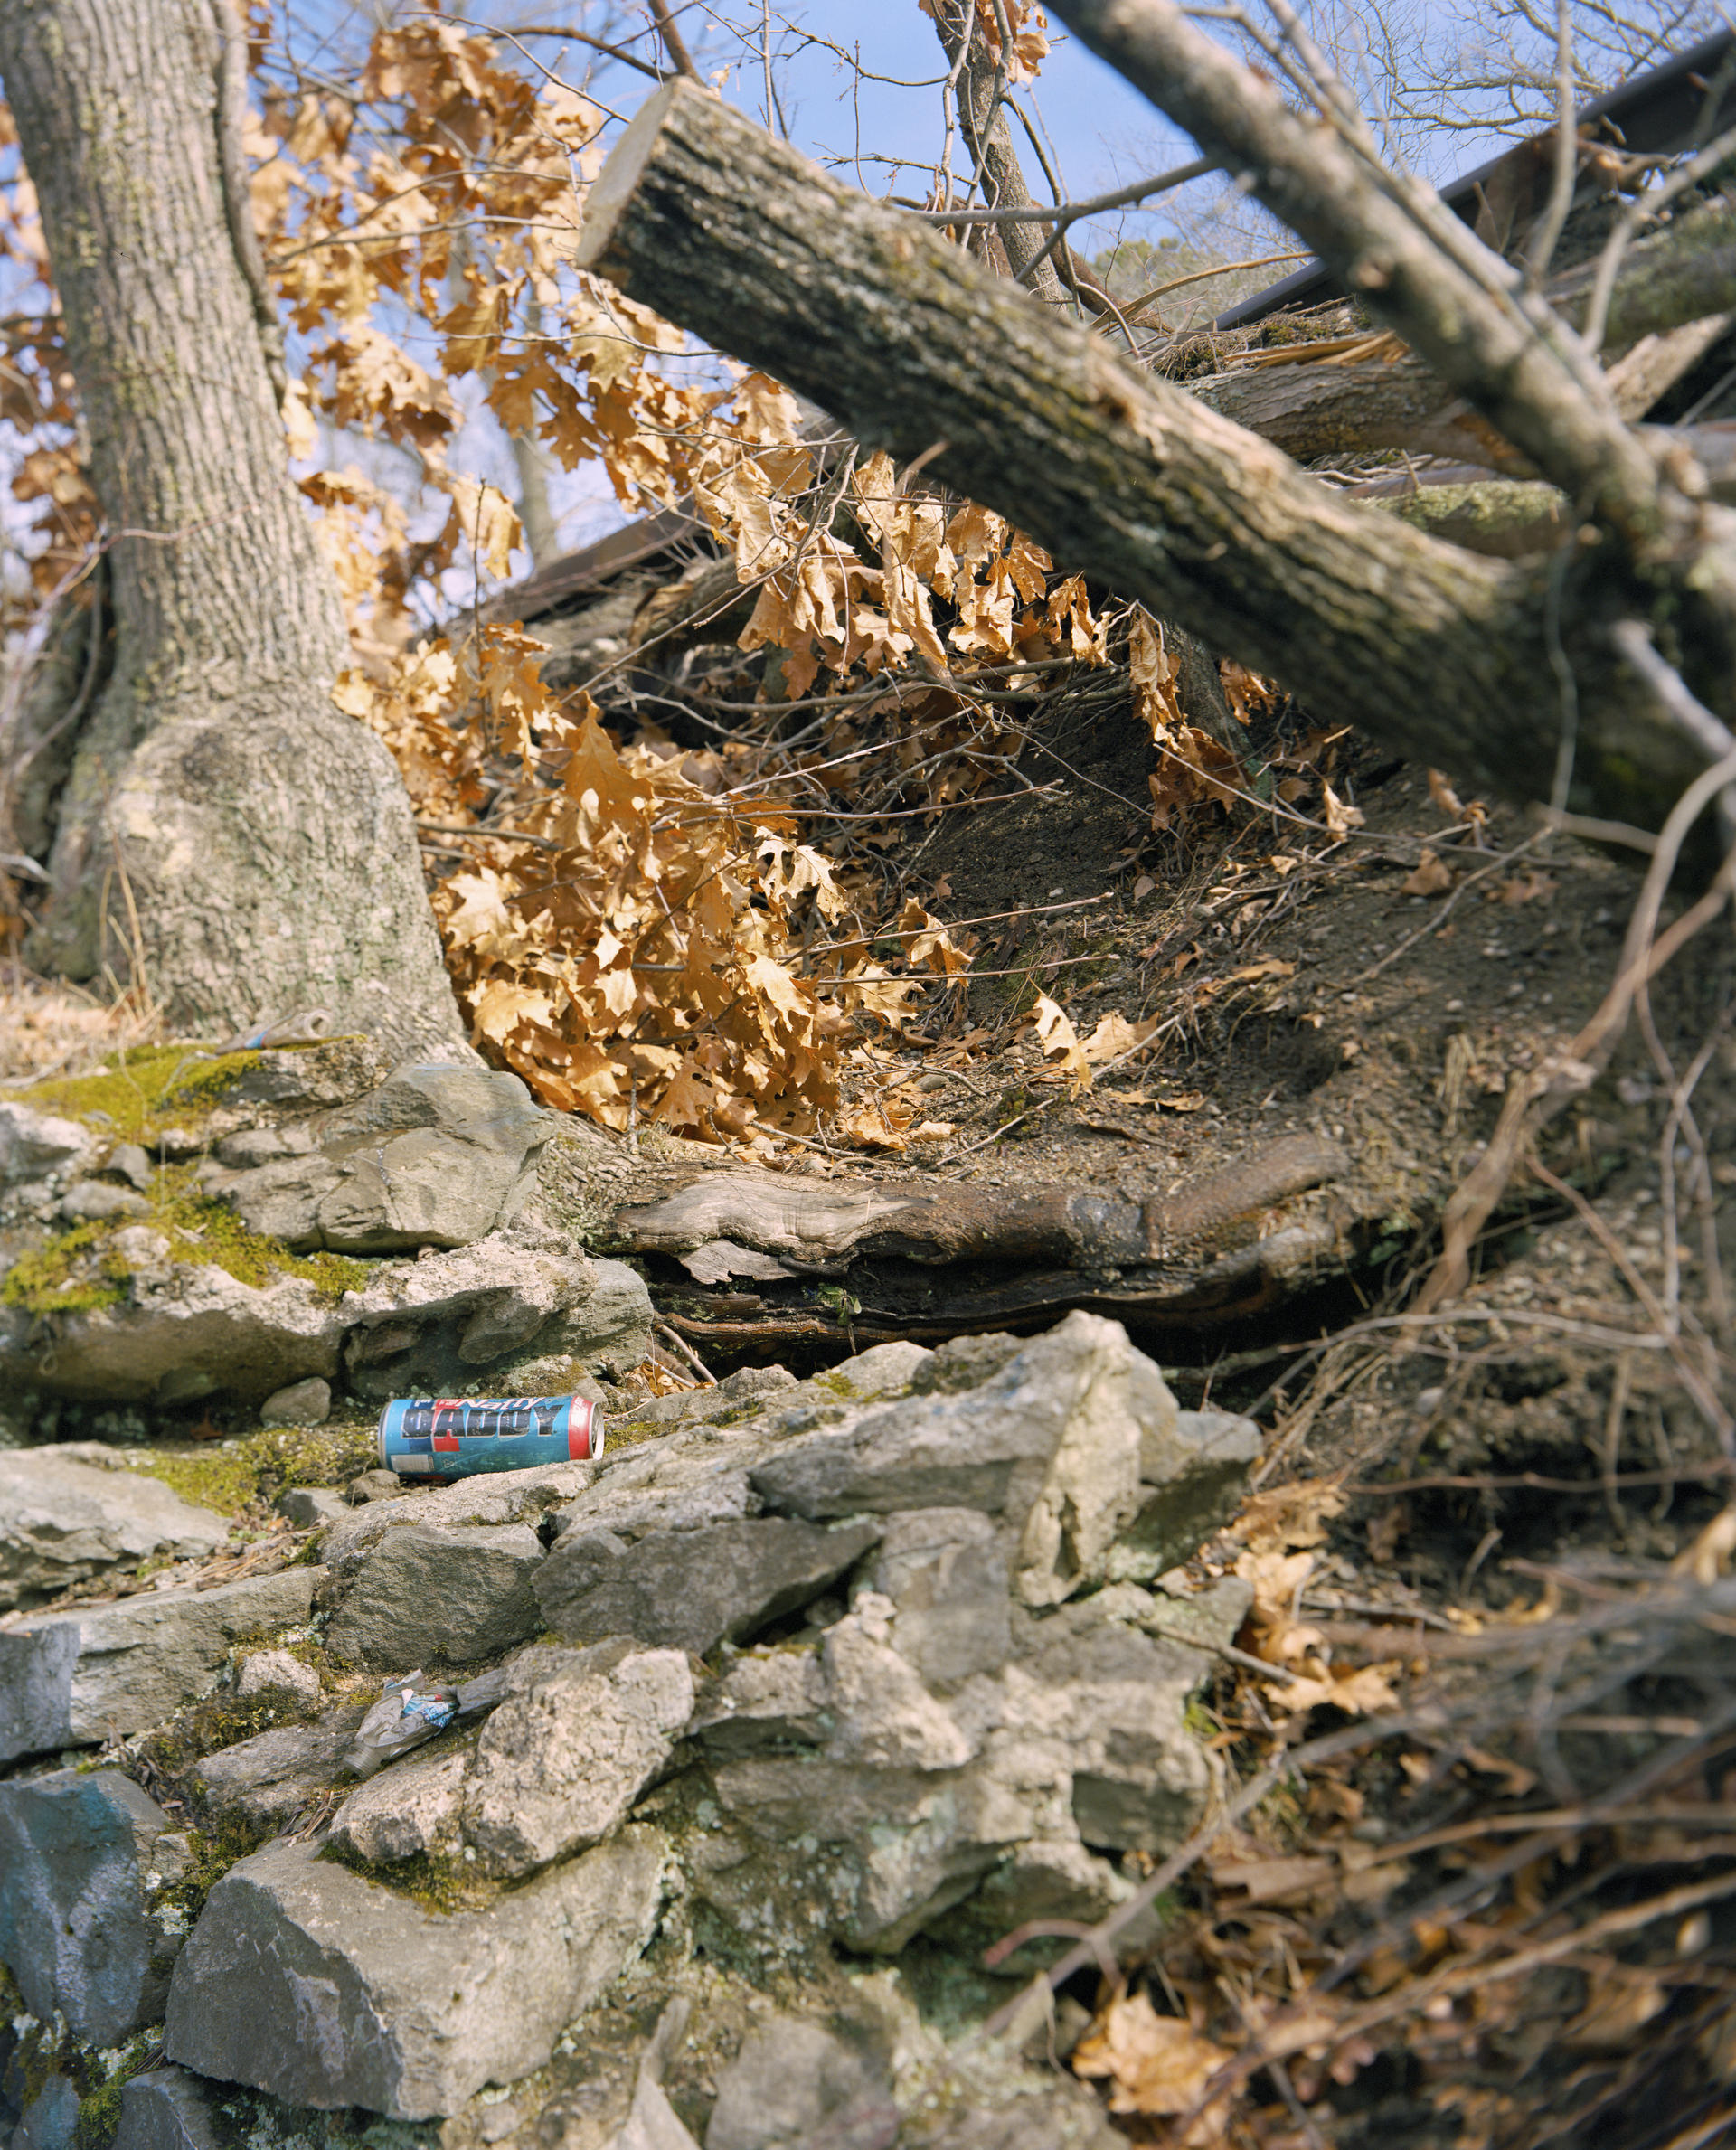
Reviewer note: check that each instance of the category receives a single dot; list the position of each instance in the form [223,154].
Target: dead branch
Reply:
[701,215]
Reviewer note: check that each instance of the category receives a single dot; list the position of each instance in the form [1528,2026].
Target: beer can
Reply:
[451,1436]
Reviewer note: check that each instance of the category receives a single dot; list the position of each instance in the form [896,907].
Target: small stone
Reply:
[882,1714]
[692,1589]
[309,1506]
[133,1163]
[302,1403]
[276,1672]
[563,1760]
[51,2119]
[945,1572]
[306,1981]
[266,1780]
[433,1594]
[93,1202]
[1048,1443]
[72,1679]
[62,1519]
[491,1497]
[413,1808]
[793,2081]
[1194,1470]
[762,1703]
[79,1867]
[166,2108]
[34,1145]
[374,1485]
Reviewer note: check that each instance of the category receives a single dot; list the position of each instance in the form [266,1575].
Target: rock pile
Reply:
[794,1681]
[326,1224]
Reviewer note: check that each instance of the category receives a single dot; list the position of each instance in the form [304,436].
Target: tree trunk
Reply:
[261,842]
[989,140]
[1444,657]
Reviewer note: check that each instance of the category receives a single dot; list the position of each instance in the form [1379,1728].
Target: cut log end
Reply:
[615,185]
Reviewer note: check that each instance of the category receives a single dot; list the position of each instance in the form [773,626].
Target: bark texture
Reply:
[262,841]
[982,119]
[701,215]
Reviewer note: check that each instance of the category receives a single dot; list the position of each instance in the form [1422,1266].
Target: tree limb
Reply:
[701,215]
[1525,373]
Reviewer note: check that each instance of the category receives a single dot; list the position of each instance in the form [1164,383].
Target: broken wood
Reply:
[701,215]
[926,1257]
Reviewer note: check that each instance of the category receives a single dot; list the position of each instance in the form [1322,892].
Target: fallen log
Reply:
[701,215]
[768,1254]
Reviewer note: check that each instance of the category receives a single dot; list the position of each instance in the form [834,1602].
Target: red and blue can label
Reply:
[451,1436]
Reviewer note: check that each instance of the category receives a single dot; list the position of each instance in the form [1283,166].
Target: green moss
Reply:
[135,1091]
[232,1475]
[214,1851]
[200,1230]
[79,1270]
[440,1882]
[56,1280]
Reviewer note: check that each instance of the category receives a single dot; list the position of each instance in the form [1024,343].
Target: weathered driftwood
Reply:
[701,215]
[924,1257]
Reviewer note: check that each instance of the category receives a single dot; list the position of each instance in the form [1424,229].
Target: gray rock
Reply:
[166,2108]
[1116,1699]
[792,2081]
[92,1202]
[439,1156]
[1058,1880]
[946,1575]
[425,1328]
[62,1519]
[377,1484]
[180,1322]
[880,1712]
[412,1808]
[811,1847]
[327,1990]
[74,1678]
[132,1161]
[765,1700]
[36,1144]
[308,1506]
[1194,1470]
[448,1595]
[302,1403]
[82,1859]
[692,1589]
[697,1407]
[884,1370]
[490,1497]
[51,2119]
[564,1756]
[1048,1443]
[276,1672]
[267,1780]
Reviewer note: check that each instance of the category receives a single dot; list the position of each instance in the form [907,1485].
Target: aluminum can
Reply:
[452,1436]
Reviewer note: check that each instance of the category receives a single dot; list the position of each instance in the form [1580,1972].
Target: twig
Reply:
[1531,1102]
[680,58]
[679,1344]
[1438,919]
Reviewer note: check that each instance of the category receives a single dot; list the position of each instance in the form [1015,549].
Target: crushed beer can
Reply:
[451,1436]
[408,1713]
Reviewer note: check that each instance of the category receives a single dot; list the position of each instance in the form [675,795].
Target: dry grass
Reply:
[53,1029]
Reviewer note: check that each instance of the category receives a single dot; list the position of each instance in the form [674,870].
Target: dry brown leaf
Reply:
[1445,798]
[1060,1041]
[1429,877]
[1157,2064]
[1622,2001]
[1288,1516]
[1339,818]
